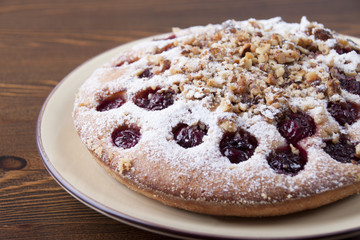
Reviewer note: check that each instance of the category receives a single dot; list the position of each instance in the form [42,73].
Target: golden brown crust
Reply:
[230,76]
[218,208]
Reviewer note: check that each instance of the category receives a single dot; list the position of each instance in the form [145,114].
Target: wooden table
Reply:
[41,41]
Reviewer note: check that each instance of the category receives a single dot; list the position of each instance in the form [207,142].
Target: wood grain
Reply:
[42,41]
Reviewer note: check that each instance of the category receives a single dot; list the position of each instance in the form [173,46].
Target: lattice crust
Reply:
[251,118]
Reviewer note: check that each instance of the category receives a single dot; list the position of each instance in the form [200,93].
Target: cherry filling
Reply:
[238,146]
[112,102]
[322,34]
[350,85]
[341,50]
[189,136]
[296,126]
[343,112]
[343,151]
[154,99]
[146,73]
[126,137]
[284,160]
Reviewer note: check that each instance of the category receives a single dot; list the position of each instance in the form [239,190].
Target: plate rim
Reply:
[123,217]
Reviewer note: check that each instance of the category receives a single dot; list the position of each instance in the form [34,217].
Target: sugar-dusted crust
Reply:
[229,76]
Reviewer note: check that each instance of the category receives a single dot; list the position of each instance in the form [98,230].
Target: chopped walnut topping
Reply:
[271,79]
[228,125]
[286,57]
[312,78]
[237,69]
[244,49]
[226,105]
[333,87]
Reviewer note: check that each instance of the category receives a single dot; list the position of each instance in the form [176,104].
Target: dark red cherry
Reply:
[351,85]
[343,151]
[112,102]
[126,137]
[322,34]
[343,112]
[189,136]
[146,73]
[341,50]
[154,99]
[296,126]
[284,161]
[238,146]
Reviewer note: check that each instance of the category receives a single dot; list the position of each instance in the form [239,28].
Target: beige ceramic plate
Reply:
[73,168]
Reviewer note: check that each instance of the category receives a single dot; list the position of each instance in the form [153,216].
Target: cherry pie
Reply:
[249,118]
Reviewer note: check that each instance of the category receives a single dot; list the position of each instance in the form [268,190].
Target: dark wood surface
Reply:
[41,41]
